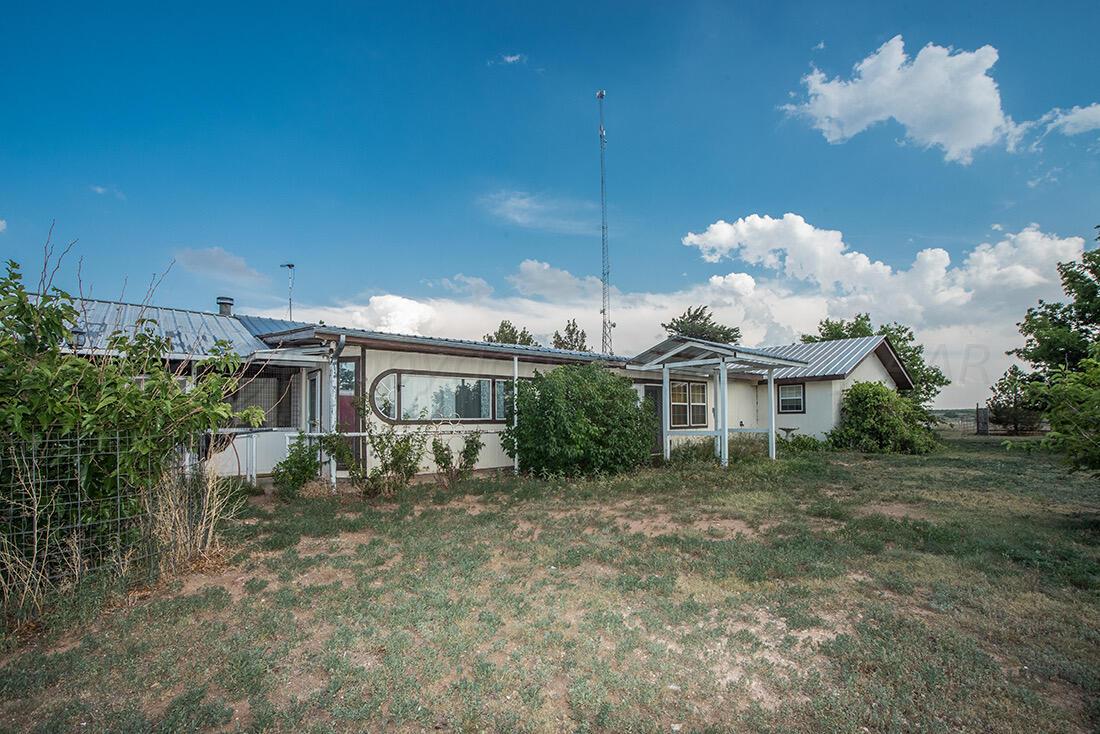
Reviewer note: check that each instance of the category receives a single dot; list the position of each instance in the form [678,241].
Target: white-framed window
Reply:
[418,396]
[792,398]
[687,404]
[445,397]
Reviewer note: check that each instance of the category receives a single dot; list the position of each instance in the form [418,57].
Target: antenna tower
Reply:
[605,276]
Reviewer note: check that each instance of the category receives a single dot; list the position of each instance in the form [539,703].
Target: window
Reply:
[438,396]
[384,396]
[346,375]
[687,404]
[313,404]
[503,400]
[277,390]
[443,397]
[792,398]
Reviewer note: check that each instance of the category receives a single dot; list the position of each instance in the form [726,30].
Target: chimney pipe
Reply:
[225,305]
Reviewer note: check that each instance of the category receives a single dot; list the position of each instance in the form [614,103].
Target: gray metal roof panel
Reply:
[191,333]
[262,325]
[699,348]
[835,358]
[471,343]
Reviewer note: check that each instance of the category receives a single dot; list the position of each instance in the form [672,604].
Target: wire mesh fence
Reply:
[79,505]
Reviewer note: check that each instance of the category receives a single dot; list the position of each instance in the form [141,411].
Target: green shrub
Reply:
[448,471]
[1073,409]
[300,466]
[800,443]
[693,451]
[746,447]
[875,419]
[396,456]
[580,419]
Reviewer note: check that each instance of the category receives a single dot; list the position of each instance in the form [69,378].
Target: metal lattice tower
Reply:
[605,277]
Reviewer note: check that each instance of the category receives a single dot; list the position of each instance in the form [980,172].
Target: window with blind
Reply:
[792,398]
[688,404]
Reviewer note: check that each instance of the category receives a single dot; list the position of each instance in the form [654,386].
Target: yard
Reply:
[825,592]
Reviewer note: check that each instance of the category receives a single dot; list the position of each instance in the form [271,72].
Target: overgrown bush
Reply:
[875,419]
[300,465]
[579,420]
[1072,398]
[450,472]
[396,456]
[56,401]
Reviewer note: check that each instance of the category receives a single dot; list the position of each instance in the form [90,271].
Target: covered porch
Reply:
[713,362]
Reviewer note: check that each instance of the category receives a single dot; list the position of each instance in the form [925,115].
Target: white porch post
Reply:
[334,391]
[771,412]
[666,400]
[724,394]
[717,413]
[515,409]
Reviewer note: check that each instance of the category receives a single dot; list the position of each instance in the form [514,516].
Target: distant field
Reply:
[824,592]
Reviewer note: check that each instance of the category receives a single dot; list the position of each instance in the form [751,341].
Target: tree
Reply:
[1059,335]
[829,329]
[573,337]
[928,379]
[507,333]
[1072,400]
[1012,404]
[698,323]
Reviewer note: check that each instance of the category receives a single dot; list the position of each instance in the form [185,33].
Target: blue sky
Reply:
[432,168]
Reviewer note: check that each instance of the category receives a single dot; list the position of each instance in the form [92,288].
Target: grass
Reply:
[824,592]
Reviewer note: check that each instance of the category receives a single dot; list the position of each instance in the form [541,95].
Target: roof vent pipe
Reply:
[225,305]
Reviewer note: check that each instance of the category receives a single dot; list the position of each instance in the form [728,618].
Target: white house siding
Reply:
[742,400]
[749,401]
[821,400]
[492,455]
[870,370]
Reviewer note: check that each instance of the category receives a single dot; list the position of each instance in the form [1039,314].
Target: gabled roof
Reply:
[679,351]
[191,334]
[835,359]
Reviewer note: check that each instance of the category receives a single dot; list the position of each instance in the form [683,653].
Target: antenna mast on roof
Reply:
[605,277]
[289,290]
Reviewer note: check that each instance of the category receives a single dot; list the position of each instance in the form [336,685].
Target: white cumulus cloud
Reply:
[1073,122]
[964,309]
[3,224]
[943,98]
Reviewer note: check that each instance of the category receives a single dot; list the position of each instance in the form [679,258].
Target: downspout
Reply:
[334,391]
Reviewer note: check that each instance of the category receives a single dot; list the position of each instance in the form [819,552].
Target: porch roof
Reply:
[299,333]
[681,352]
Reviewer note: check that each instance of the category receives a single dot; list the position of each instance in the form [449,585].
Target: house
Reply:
[796,388]
[312,378]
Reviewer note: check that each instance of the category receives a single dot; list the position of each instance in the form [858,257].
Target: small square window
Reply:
[792,399]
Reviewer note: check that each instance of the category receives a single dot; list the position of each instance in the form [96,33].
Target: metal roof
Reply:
[297,331]
[191,334]
[837,358]
[261,325]
[686,349]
